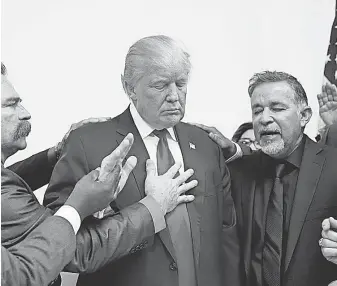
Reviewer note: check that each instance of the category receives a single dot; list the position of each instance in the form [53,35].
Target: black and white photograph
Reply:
[169,143]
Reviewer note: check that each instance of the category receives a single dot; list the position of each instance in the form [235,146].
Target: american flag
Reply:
[330,69]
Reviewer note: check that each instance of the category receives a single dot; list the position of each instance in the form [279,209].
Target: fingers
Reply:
[186,187]
[204,127]
[330,234]
[173,170]
[329,252]
[129,165]
[218,139]
[127,169]
[329,223]
[150,168]
[326,224]
[182,178]
[328,243]
[333,223]
[119,153]
[185,199]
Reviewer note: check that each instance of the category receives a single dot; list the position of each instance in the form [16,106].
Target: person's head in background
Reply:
[245,135]
[15,126]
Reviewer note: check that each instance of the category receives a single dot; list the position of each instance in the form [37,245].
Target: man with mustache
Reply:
[284,191]
[36,245]
[199,246]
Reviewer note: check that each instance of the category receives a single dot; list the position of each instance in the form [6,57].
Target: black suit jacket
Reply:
[212,214]
[330,136]
[315,199]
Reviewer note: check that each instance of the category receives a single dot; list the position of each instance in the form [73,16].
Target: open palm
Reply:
[327,101]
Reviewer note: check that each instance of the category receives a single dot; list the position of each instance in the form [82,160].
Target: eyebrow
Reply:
[13,99]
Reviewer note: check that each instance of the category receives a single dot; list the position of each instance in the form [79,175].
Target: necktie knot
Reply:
[160,133]
[280,168]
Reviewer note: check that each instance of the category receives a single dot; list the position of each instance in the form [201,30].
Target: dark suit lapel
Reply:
[189,149]
[310,171]
[138,149]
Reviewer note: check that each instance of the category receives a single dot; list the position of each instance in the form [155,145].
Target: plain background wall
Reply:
[65,57]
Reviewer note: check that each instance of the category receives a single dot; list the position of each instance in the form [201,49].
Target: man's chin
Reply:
[274,149]
[171,120]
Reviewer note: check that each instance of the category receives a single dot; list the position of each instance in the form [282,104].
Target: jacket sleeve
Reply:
[100,242]
[41,256]
[35,170]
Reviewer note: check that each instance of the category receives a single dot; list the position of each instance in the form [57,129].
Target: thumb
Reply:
[333,223]
[150,168]
[326,224]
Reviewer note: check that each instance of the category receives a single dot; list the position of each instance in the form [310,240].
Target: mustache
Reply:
[266,131]
[23,130]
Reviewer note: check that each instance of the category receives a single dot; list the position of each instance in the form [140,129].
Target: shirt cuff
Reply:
[70,214]
[156,213]
[238,154]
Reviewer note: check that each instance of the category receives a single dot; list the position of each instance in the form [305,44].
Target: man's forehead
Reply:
[273,92]
[170,73]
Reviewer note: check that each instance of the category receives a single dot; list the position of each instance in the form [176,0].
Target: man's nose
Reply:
[24,114]
[266,117]
[172,92]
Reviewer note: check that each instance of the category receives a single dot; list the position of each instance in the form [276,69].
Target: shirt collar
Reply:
[143,127]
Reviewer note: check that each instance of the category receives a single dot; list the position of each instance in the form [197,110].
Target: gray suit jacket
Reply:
[41,256]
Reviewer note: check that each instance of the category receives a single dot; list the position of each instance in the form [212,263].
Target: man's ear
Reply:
[306,114]
[127,89]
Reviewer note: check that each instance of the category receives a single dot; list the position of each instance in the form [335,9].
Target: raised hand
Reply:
[327,101]
[167,190]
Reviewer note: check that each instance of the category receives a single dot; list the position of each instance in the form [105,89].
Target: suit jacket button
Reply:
[173,266]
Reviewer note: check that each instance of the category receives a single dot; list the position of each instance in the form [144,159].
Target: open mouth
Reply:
[270,133]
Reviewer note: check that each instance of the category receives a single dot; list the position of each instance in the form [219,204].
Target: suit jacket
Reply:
[315,199]
[41,256]
[330,136]
[29,168]
[97,243]
[212,215]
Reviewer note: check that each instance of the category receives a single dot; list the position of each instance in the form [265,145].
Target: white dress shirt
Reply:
[151,141]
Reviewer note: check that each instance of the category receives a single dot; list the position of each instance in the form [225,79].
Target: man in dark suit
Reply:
[280,211]
[199,246]
[98,242]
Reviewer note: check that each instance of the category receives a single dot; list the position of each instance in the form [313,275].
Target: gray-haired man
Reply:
[199,245]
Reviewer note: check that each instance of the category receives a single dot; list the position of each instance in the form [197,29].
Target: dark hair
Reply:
[275,76]
[242,129]
[3,69]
